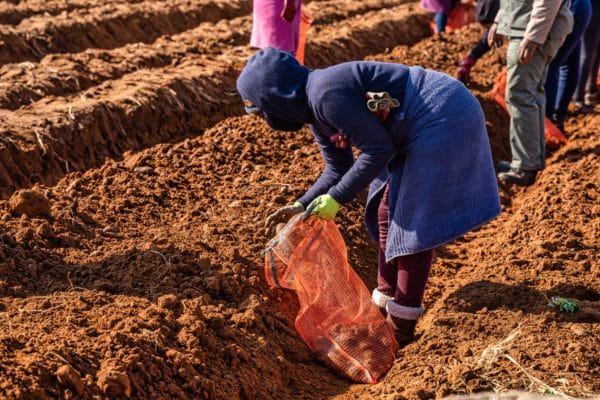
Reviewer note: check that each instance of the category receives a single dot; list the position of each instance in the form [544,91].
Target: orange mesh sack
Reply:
[462,14]
[337,318]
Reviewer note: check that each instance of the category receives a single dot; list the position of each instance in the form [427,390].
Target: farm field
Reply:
[133,196]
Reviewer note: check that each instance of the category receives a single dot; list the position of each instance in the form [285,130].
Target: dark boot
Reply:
[559,121]
[404,329]
[464,69]
[503,166]
[518,177]
[582,108]
[403,320]
[592,98]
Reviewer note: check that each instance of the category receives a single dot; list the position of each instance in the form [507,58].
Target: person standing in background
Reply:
[276,23]
[563,73]
[485,13]
[586,94]
[442,9]
[535,31]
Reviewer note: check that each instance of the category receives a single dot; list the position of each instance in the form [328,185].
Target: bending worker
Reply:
[424,151]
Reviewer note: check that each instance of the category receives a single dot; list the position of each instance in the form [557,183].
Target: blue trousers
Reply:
[590,56]
[481,47]
[441,19]
[563,73]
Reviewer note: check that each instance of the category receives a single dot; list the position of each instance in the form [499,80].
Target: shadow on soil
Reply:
[149,274]
[480,295]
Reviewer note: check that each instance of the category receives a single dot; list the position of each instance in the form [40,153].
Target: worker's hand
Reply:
[324,207]
[526,50]
[289,10]
[282,216]
[493,39]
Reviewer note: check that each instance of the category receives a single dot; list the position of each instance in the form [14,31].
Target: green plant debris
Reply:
[564,305]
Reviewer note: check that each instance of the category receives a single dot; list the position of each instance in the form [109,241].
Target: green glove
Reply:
[282,216]
[324,207]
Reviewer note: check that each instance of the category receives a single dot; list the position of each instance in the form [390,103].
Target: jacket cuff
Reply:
[339,196]
[305,201]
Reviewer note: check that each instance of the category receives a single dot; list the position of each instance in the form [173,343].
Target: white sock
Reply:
[404,312]
[380,299]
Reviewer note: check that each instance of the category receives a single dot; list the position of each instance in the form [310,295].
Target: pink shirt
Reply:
[270,30]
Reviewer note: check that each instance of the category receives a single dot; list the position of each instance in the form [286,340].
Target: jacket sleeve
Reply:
[337,163]
[363,129]
[499,16]
[542,18]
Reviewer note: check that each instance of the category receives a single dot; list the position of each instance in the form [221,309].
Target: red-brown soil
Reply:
[142,278]
[109,26]
[11,13]
[64,74]
[57,27]
[137,109]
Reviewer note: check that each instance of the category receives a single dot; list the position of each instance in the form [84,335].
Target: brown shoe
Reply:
[404,329]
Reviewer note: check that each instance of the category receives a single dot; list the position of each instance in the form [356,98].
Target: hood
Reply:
[273,82]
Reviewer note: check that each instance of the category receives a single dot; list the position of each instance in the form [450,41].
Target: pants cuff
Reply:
[404,312]
[380,299]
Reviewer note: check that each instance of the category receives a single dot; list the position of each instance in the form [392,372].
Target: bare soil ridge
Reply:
[13,14]
[62,74]
[110,26]
[101,119]
[178,306]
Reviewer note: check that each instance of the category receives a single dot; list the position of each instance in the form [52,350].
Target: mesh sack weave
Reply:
[337,318]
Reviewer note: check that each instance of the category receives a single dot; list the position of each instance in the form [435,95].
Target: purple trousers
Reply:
[404,278]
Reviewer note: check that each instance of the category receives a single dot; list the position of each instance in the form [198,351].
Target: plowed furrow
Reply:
[59,75]
[151,106]
[366,34]
[13,13]
[148,106]
[110,26]
[24,83]
[326,12]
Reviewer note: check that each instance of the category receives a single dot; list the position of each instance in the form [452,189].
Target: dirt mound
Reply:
[67,74]
[30,203]
[12,14]
[366,34]
[109,26]
[150,105]
[145,280]
[177,307]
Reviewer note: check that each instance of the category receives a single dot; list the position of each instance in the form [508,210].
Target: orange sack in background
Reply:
[554,137]
[305,22]
[337,318]
[461,15]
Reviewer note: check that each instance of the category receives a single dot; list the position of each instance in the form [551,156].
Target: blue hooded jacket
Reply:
[274,83]
[432,149]
[290,95]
